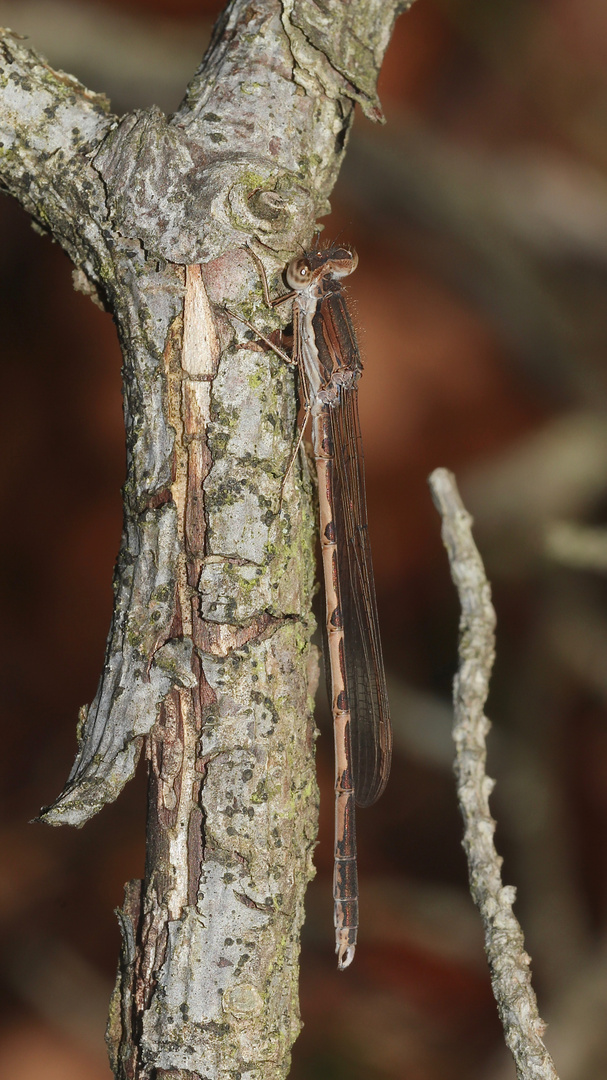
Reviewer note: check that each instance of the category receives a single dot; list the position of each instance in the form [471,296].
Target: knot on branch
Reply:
[156,178]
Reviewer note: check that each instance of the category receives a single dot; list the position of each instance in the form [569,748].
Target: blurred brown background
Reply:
[480,216]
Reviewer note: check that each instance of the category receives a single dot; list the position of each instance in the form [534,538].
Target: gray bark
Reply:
[208,663]
[504,942]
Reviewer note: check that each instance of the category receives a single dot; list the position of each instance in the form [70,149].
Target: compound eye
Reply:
[298,273]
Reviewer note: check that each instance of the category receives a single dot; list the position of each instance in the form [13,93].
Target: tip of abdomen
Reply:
[345,955]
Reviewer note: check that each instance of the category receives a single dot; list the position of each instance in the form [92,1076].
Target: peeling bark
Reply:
[209,665]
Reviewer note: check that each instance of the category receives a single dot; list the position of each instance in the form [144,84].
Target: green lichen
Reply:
[260,795]
[256,380]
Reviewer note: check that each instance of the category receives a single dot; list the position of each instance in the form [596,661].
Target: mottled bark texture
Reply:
[504,943]
[208,664]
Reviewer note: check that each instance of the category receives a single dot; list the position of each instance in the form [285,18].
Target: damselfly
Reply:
[326,352]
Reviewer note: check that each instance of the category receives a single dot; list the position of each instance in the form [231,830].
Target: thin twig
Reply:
[504,944]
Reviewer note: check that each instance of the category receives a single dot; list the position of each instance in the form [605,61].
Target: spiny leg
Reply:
[264,282]
[266,340]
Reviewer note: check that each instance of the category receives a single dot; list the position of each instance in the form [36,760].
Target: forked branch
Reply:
[209,666]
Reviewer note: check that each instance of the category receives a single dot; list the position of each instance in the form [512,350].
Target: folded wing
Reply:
[371,733]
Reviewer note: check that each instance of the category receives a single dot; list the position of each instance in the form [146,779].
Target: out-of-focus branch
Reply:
[582,547]
[137,55]
[557,472]
[504,944]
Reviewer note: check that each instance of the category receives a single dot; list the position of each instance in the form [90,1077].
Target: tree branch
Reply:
[208,663]
[49,126]
[504,944]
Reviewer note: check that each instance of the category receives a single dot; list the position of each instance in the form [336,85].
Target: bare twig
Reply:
[504,945]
